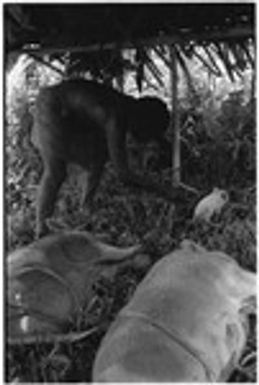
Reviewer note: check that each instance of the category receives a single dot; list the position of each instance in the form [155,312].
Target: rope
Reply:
[175,336]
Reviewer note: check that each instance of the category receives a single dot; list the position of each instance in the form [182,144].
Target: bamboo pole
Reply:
[175,123]
[47,64]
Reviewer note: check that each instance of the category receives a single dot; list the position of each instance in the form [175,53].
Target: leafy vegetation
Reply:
[218,149]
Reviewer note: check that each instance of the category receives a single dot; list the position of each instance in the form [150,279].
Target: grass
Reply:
[122,217]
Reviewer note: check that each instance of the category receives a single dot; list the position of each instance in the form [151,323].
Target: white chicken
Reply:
[211,204]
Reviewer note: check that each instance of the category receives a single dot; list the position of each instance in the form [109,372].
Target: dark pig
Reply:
[83,122]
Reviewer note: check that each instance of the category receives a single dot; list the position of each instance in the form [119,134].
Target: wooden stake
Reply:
[175,126]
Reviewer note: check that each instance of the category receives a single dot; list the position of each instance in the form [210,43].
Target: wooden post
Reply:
[120,82]
[175,123]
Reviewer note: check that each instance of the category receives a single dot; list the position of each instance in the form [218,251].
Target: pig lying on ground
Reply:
[48,281]
[187,321]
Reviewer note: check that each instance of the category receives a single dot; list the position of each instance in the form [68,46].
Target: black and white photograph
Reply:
[129,155]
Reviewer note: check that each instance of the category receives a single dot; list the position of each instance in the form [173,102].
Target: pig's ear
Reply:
[248,305]
[246,290]
[191,246]
[115,254]
[241,283]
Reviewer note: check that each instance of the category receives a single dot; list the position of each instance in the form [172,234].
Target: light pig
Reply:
[186,322]
[48,281]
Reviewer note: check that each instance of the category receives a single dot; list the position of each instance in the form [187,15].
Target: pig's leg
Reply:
[90,183]
[53,176]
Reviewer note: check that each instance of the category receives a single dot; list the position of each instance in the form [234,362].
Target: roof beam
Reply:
[235,33]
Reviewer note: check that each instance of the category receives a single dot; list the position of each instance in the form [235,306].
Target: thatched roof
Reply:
[95,34]
[57,26]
